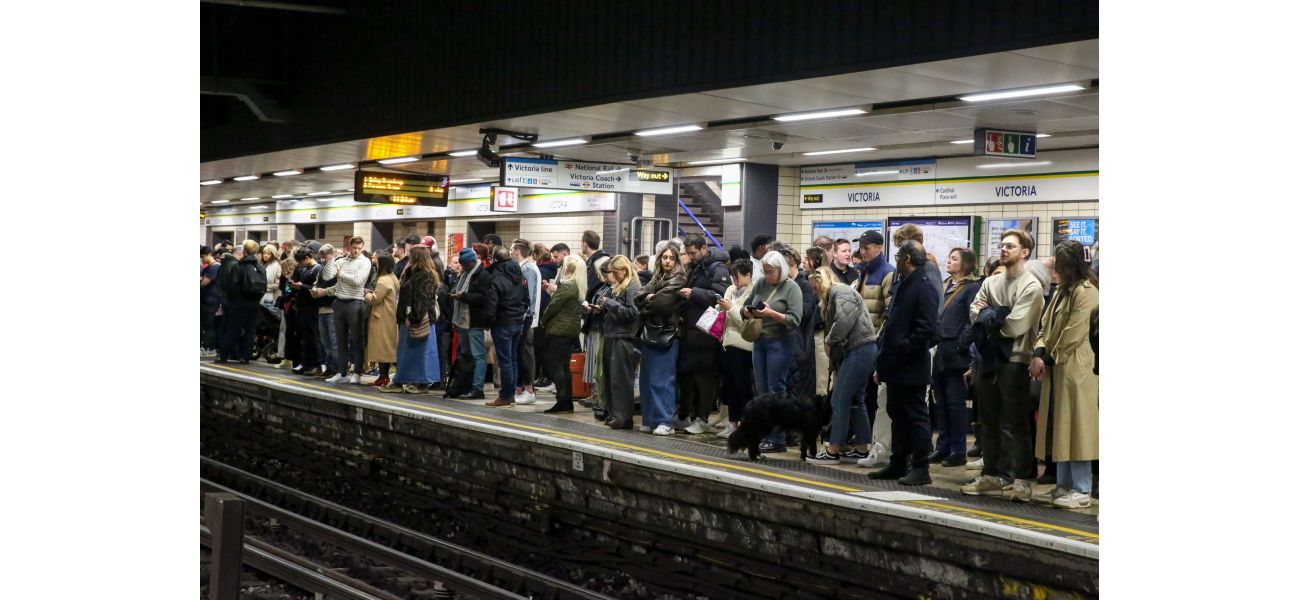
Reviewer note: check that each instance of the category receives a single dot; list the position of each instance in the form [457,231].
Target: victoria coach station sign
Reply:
[410,189]
[585,176]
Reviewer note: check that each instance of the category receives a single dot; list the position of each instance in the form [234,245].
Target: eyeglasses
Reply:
[1008,246]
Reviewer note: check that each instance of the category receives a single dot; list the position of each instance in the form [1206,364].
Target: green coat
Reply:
[563,316]
[1069,388]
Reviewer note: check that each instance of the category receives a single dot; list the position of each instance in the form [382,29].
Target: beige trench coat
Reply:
[381,345]
[1072,384]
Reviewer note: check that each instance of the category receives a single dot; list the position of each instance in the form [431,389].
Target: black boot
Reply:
[895,470]
[919,475]
[937,456]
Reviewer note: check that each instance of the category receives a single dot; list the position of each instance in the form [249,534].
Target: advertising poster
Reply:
[942,234]
[1079,229]
[455,241]
[997,226]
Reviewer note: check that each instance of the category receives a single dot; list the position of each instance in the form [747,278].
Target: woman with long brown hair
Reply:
[660,315]
[417,310]
[1063,361]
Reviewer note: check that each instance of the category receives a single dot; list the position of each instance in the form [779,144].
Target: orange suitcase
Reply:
[577,362]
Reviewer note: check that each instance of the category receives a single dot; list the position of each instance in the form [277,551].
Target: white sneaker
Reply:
[975,465]
[336,378]
[726,433]
[873,455]
[984,485]
[1020,489]
[525,398]
[699,426]
[1049,497]
[1073,499]
[354,379]
[664,429]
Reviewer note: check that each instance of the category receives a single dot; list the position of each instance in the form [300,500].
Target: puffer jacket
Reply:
[507,296]
[622,319]
[848,321]
[563,314]
[874,286]
[707,279]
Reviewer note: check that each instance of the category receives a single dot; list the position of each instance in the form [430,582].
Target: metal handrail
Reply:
[699,224]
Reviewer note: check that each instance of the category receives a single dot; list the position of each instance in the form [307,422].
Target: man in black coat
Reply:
[707,280]
[470,316]
[904,366]
[591,252]
[244,287]
[507,305]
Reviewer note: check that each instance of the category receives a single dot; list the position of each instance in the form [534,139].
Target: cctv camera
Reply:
[634,157]
[778,145]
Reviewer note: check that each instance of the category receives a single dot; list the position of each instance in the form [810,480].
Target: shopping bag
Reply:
[712,322]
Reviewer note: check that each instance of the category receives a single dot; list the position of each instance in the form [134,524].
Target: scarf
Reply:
[460,313]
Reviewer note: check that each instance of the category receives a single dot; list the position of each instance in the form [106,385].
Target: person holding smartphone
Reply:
[779,302]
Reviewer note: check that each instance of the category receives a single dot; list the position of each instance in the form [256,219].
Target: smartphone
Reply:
[761,306]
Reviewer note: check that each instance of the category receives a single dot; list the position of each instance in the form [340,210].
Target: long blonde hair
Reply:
[621,262]
[574,269]
[825,278]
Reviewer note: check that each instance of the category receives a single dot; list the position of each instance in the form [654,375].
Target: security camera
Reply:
[633,156]
[778,145]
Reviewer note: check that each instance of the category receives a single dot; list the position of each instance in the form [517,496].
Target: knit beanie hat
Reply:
[467,256]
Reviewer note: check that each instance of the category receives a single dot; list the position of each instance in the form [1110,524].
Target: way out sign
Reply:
[505,199]
[1008,144]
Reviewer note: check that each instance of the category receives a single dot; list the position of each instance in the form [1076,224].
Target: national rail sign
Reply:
[411,189]
[574,175]
[1007,144]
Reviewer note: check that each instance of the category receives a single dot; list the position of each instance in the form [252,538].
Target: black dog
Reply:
[771,411]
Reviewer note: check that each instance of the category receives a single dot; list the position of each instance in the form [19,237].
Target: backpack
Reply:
[251,282]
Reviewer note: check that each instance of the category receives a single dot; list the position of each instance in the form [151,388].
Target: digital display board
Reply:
[401,188]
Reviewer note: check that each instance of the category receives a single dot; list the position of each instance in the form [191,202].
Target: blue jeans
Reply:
[505,340]
[658,385]
[950,408]
[329,342]
[848,399]
[772,358]
[1074,474]
[473,346]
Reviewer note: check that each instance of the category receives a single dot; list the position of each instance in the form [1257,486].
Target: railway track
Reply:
[329,549]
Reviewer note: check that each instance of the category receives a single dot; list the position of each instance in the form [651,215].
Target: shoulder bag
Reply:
[752,328]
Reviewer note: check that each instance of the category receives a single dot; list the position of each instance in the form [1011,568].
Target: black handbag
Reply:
[659,337]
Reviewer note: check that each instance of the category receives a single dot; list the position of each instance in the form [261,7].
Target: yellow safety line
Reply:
[600,441]
[1006,518]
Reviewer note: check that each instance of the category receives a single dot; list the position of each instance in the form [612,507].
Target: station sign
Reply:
[582,176]
[1007,144]
[411,189]
[504,199]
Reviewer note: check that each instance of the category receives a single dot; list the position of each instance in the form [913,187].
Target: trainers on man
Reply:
[767,447]
[354,379]
[1073,500]
[525,398]
[698,426]
[336,378]
[852,455]
[1020,489]
[975,465]
[824,458]
[1050,496]
[984,485]
[873,457]
[664,429]
[726,433]
[915,477]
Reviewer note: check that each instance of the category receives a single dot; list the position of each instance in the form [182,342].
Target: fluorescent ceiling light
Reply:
[1011,165]
[460,153]
[317,193]
[280,196]
[838,151]
[717,160]
[824,114]
[668,130]
[465,180]
[1036,91]
[399,160]
[246,178]
[558,143]
[210,182]
[338,167]
[1043,135]
[287,173]
[962,142]
[870,173]
[259,206]
[219,201]
[249,198]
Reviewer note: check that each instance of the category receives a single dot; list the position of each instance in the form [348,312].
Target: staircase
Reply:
[701,199]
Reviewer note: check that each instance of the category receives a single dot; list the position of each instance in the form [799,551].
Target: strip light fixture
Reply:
[822,114]
[466,180]
[318,193]
[287,173]
[565,142]
[1013,165]
[210,182]
[399,160]
[1022,93]
[338,167]
[962,142]
[246,177]
[249,198]
[460,153]
[669,130]
[281,196]
[219,202]
[716,160]
[844,151]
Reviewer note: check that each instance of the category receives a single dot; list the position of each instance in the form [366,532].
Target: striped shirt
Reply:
[352,275]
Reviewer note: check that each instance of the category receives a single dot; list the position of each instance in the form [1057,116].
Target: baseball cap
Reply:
[871,237]
[429,242]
